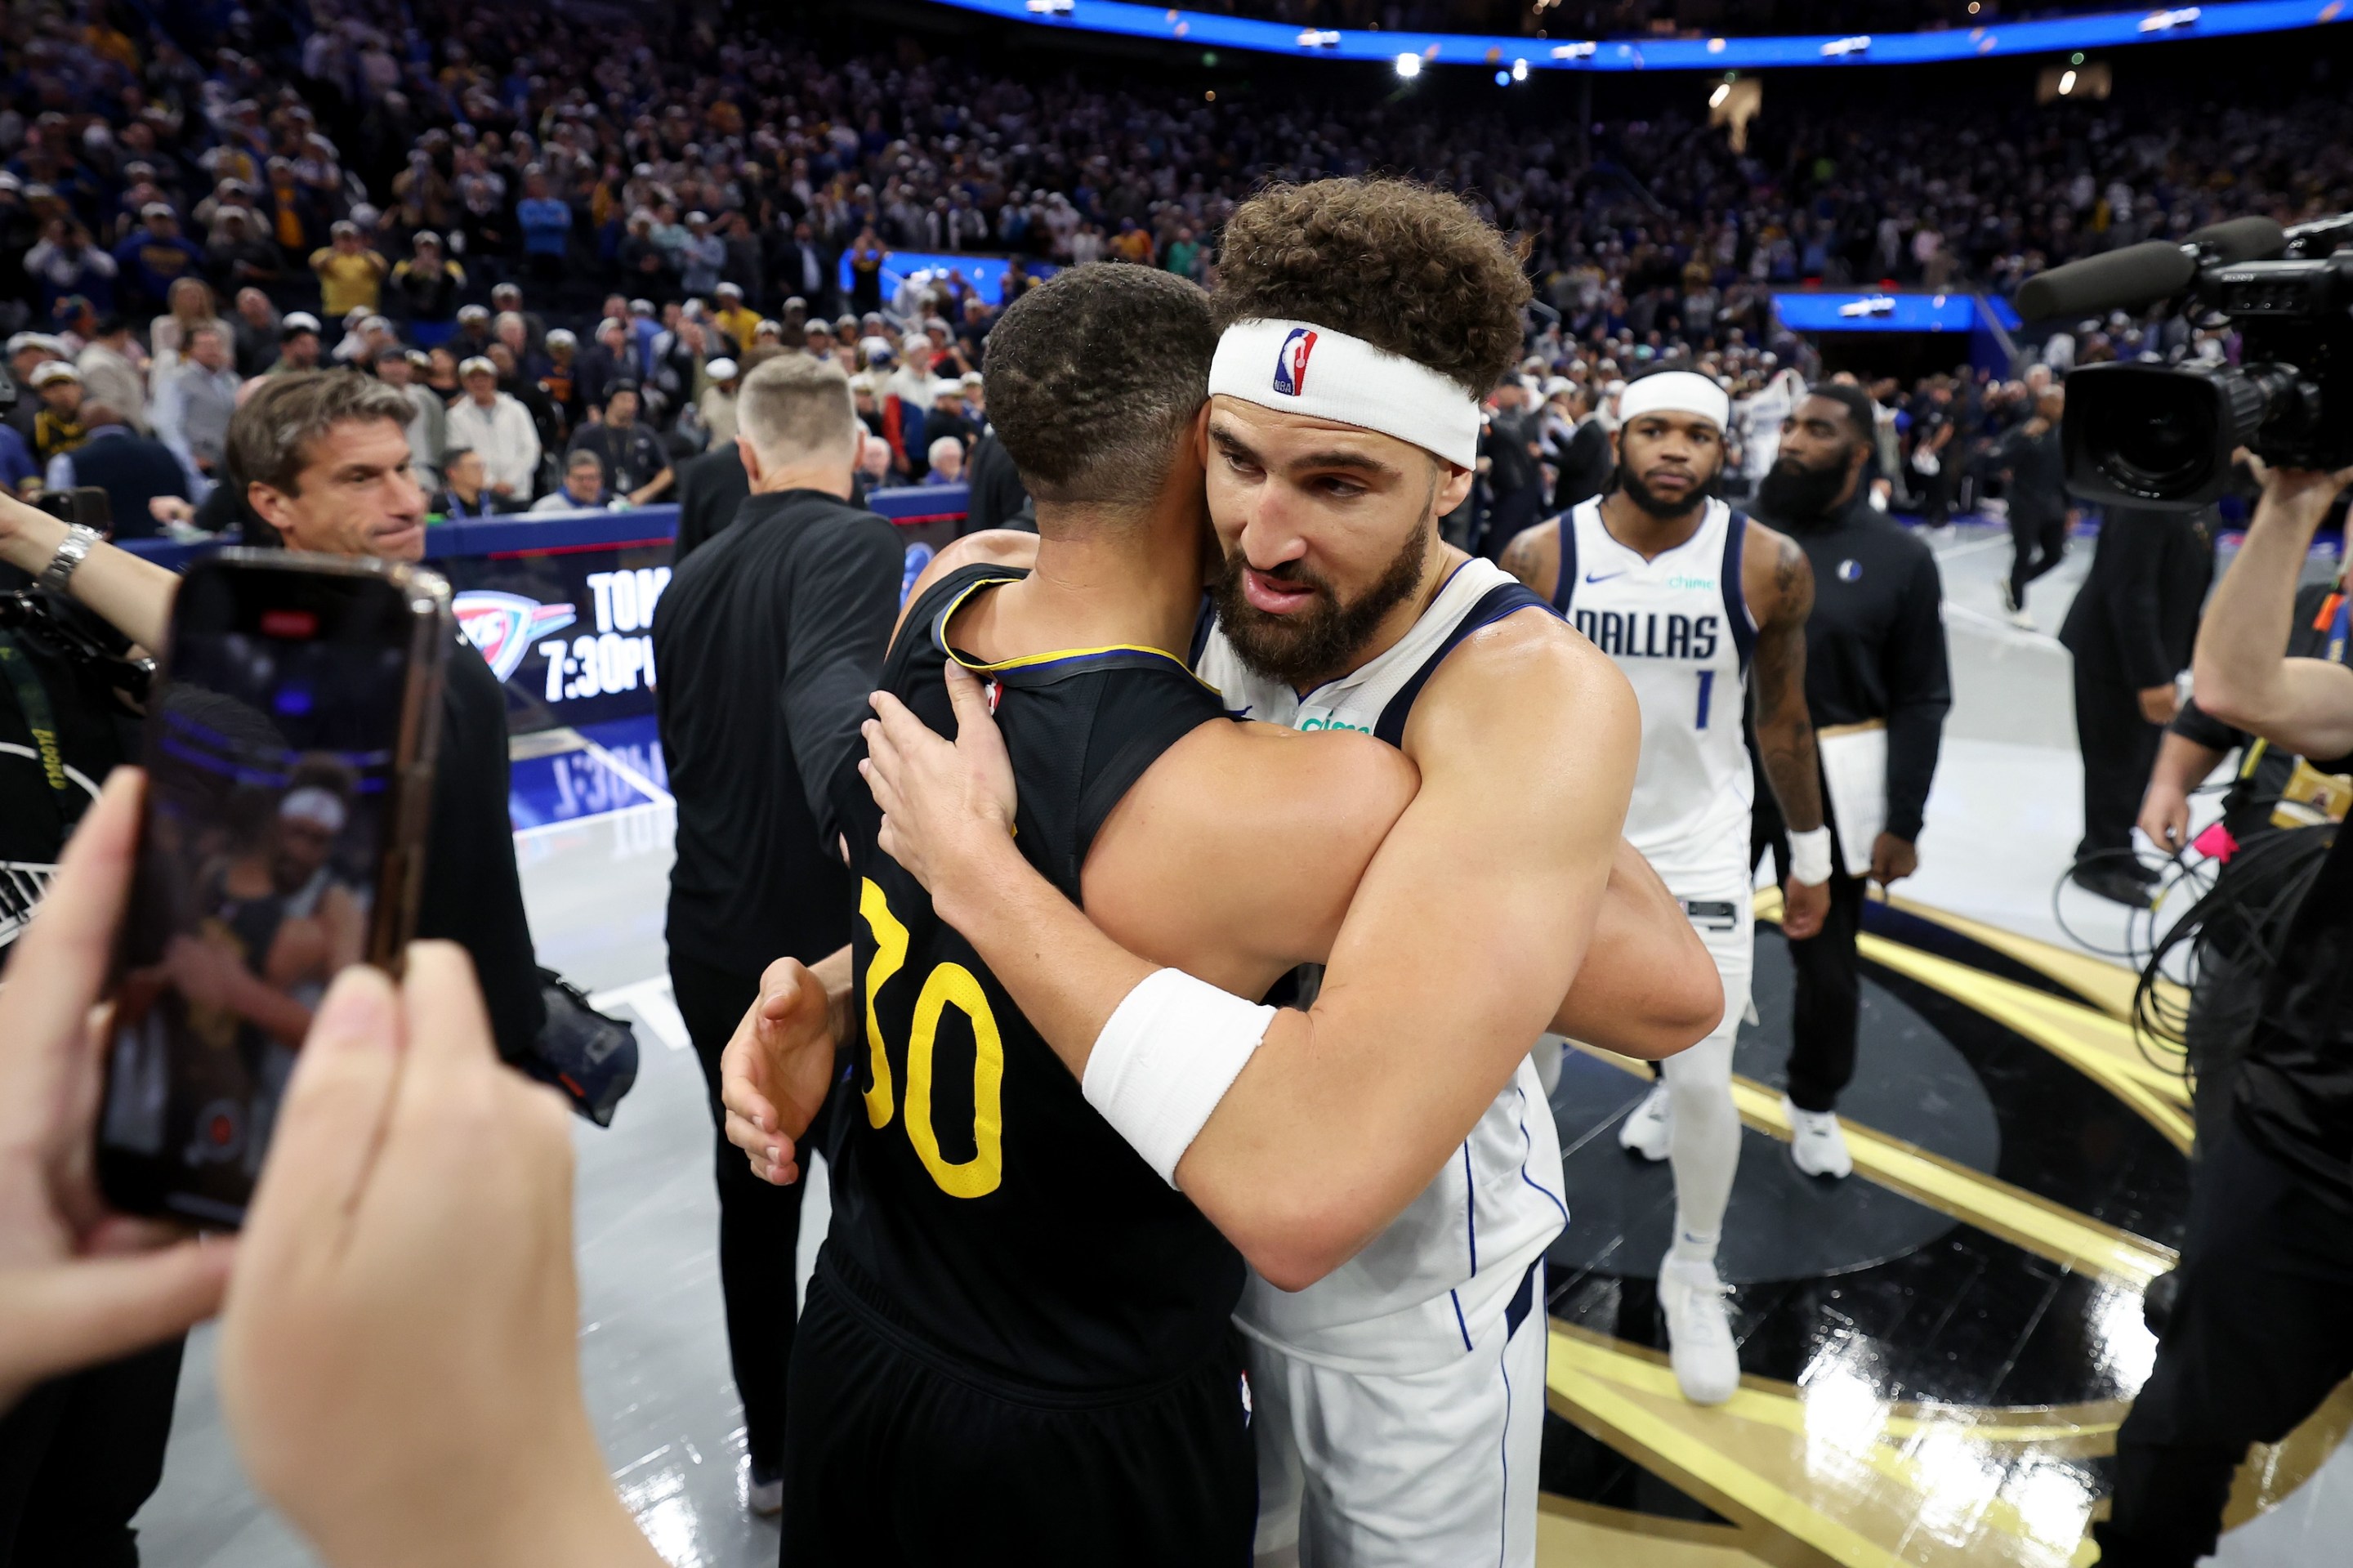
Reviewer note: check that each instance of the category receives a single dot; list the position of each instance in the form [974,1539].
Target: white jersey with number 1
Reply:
[1678,625]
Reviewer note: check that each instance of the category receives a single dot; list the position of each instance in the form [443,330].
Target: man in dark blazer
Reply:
[2131,629]
[800,265]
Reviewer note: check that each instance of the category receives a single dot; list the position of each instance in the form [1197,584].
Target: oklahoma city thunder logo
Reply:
[1291,362]
[504,625]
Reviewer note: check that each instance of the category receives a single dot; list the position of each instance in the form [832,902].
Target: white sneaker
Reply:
[764,1497]
[2023,621]
[1816,1143]
[1650,1127]
[1699,1331]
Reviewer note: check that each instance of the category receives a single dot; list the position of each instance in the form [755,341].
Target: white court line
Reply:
[564,825]
[2011,633]
[651,1000]
[629,776]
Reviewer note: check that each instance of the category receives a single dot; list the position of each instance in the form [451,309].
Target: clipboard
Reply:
[1854,777]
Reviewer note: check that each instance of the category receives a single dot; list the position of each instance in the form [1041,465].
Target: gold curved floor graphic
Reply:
[1833,1473]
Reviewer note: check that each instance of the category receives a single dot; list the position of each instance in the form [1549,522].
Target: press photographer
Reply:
[2255,1338]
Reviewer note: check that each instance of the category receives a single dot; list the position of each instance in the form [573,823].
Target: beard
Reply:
[1312,644]
[1793,492]
[1658,506]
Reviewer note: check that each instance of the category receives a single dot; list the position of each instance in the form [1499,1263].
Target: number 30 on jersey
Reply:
[948,985]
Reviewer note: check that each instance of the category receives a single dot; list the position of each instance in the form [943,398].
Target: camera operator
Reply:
[2196,742]
[323,457]
[2256,1338]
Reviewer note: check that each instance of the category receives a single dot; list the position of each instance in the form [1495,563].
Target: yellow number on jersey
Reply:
[890,952]
[948,985]
[953,985]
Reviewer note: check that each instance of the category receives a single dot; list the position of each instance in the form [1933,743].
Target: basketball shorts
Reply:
[1721,905]
[1361,1470]
[896,1457]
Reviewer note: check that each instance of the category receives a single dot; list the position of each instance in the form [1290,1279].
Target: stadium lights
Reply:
[2166,21]
[1837,48]
[1314,38]
[1519,71]
[1409,66]
[2067,83]
[1723,91]
[1575,51]
[1050,7]
[1872,305]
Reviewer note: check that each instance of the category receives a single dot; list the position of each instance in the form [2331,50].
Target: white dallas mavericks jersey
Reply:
[1444,1272]
[1680,628]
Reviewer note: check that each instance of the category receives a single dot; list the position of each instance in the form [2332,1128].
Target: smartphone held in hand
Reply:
[290,749]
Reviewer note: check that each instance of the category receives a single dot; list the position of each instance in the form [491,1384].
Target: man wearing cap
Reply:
[1383,1156]
[634,464]
[158,255]
[700,257]
[717,404]
[507,299]
[297,345]
[497,426]
[1685,594]
[351,272]
[56,423]
[1878,687]
[474,334]
[426,285]
[737,319]
[949,417]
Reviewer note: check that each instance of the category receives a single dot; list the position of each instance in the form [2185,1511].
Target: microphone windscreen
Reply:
[2242,239]
[2135,275]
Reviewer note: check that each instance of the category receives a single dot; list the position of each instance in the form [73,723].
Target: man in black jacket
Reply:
[1876,660]
[2130,628]
[996,498]
[769,638]
[133,470]
[2034,476]
[710,490]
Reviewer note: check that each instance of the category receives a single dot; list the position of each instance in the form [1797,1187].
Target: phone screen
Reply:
[274,758]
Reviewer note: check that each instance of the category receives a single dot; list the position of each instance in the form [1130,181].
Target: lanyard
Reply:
[33,699]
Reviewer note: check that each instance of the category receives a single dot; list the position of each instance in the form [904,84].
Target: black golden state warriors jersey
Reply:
[979,1202]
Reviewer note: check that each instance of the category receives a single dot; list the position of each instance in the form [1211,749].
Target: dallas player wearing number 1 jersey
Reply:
[1688,597]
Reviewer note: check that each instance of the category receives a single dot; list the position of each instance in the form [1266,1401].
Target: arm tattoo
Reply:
[1784,729]
[1520,560]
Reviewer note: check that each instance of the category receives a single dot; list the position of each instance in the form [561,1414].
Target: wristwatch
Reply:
[71,552]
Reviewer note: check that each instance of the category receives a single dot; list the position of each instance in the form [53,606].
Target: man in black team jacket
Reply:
[1875,660]
[768,638]
[2257,1338]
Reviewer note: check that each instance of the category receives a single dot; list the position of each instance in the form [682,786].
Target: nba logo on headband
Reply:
[1290,367]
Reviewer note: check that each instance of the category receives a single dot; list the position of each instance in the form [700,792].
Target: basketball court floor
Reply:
[1937,1351]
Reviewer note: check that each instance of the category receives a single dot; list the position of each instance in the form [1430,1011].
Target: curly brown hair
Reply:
[1406,267]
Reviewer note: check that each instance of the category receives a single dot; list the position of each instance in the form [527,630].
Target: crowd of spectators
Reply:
[562,236]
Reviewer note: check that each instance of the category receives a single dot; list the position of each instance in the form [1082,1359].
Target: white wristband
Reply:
[1171,1050]
[1809,857]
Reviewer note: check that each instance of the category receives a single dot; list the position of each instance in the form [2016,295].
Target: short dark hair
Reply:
[269,439]
[1860,410]
[1093,377]
[1406,267]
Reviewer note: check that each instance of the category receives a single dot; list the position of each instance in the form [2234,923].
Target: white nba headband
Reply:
[1675,392]
[1297,367]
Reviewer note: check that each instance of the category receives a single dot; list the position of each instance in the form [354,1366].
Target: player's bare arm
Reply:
[1345,1113]
[1778,584]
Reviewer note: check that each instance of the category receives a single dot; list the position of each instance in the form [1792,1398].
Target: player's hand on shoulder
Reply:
[774,1072]
[948,807]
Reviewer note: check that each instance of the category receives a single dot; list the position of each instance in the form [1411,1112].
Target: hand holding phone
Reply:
[78,1283]
[289,747]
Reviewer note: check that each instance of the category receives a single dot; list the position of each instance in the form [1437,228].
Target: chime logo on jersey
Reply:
[1628,634]
[1291,362]
[503,626]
